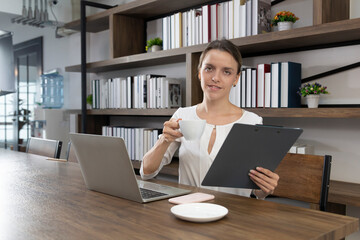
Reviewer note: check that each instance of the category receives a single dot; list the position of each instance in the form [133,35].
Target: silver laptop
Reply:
[107,168]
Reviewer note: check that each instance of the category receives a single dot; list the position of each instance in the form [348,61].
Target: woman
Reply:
[218,71]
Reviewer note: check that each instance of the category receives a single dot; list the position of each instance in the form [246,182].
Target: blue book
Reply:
[290,83]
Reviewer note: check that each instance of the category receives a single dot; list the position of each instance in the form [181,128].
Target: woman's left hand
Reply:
[265,179]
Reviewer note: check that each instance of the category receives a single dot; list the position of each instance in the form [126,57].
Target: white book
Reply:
[128,92]
[248,87]
[237,18]
[141,145]
[253,88]
[165,33]
[243,88]
[214,30]
[173,31]
[254,19]
[184,29]
[248,18]
[260,85]
[193,27]
[169,32]
[231,19]
[177,29]
[275,84]
[200,29]
[197,23]
[205,23]
[226,20]
[267,90]
[220,23]
[242,20]
[284,93]
[189,32]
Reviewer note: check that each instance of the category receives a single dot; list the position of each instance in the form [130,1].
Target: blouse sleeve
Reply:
[167,156]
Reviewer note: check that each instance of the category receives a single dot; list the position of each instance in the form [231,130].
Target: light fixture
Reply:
[38,17]
[7,75]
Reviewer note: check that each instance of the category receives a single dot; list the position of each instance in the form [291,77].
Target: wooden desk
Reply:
[340,193]
[43,199]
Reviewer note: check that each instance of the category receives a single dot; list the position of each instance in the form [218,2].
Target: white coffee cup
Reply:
[192,129]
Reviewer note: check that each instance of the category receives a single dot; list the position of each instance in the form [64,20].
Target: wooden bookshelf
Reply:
[144,9]
[340,32]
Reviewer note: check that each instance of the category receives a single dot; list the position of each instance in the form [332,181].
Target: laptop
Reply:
[247,147]
[107,168]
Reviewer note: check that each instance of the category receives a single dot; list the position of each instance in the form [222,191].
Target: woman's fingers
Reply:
[170,129]
[265,179]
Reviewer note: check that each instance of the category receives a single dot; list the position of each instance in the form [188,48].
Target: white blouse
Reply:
[194,159]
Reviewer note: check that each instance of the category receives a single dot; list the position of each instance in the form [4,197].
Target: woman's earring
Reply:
[234,85]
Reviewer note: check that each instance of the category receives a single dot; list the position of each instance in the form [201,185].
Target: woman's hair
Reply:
[226,46]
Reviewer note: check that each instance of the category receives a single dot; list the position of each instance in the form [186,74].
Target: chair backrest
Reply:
[44,147]
[304,178]
[70,154]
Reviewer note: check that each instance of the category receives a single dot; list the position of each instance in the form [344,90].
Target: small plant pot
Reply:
[312,101]
[282,26]
[155,48]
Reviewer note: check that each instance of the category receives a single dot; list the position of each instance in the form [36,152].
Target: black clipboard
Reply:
[247,147]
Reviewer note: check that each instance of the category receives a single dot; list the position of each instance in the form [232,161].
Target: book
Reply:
[275,84]
[290,83]
[206,13]
[261,70]
[267,94]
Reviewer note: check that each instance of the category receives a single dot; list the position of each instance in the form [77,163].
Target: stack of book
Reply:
[272,85]
[138,141]
[141,91]
[231,19]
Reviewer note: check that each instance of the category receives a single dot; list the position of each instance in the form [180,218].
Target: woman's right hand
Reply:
[171,130]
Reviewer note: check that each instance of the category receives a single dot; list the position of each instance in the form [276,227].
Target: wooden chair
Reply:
[70,154]
[304,178]
[44,147]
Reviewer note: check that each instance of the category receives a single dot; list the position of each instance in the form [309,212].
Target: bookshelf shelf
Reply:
[307,112]
[263,112]
[341,32]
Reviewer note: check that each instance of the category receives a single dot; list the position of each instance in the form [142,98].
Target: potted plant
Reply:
[284,20]
[312,93]
[154,45]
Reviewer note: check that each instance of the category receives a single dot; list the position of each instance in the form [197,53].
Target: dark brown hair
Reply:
[226,46]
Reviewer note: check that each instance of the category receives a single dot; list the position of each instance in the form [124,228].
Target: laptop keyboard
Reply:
[146,193]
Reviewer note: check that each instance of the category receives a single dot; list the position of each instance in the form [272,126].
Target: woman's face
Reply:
[218,73]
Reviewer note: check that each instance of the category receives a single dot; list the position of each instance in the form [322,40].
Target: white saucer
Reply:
[199,212]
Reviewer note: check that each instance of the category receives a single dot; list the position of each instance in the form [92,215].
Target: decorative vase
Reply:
[156,48]
[284,26]
[312,100]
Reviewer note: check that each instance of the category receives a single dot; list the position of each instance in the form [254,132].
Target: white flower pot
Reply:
[285,26]
[156,48]
[312,101]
